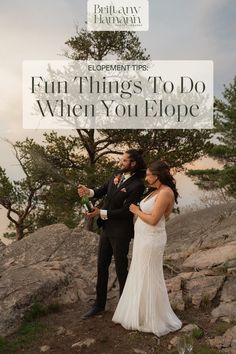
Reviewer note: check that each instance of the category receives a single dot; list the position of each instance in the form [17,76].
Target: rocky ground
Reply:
[65,332]
[58,265]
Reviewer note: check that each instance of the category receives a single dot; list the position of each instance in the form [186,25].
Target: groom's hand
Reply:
[83,190]
[95,212]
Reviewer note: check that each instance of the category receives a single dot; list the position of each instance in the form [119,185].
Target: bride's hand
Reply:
[134,208]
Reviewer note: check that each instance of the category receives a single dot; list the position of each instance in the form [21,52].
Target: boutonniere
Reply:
[123,190]
[117,179]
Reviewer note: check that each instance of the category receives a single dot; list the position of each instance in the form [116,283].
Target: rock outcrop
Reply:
[54,264]
[58,265]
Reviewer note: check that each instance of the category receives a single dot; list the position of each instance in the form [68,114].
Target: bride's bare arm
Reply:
[162,202]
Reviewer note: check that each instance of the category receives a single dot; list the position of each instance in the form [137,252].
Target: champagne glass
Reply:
[189,343]
[181,345]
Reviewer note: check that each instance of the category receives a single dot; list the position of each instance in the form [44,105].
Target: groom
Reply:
[123,188]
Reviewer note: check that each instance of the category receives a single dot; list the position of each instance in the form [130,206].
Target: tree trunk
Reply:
[19,232]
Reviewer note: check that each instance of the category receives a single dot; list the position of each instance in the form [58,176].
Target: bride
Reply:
[144,304]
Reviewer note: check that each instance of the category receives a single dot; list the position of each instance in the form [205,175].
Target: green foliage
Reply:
[30,329]
[175,146]
[197,333]
[38,310]
[10,235]
[224,179]
[24,338]
[205,349]
[21,197]
[224,150]
[7,195]
[53,308]
[47,194]
[97,45]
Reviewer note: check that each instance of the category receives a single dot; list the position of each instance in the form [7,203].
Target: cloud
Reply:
[30,30]
[191,30]
[217,18]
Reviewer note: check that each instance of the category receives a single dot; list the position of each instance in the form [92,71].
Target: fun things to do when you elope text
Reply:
[126,91]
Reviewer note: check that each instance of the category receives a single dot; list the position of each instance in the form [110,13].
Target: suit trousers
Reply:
[108,246]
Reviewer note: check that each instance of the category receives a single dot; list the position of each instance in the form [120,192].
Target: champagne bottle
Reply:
[87,204]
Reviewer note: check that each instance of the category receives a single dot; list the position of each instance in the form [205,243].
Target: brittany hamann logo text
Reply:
[113,15]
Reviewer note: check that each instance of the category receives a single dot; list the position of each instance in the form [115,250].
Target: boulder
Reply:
[187,233]
[2,247]
[227,308]
[203,289]
[175,293]
[189,328]
[84,343]
[212,257]
[227,342]
[225,311]
[53,265]
[229,290]
[196,287]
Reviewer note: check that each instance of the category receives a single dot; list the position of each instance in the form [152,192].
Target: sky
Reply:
[178,30]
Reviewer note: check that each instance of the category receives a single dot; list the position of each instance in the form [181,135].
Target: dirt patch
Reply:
[108,337]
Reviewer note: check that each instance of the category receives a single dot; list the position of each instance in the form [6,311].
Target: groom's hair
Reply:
[140,166]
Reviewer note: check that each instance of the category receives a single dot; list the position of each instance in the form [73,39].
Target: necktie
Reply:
[121,181]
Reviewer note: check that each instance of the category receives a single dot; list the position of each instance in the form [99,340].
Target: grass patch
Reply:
[183,284]
[205,349]
[38,310]
[223,269]
[205,302]
[197,333]
[29,330]
[24,337]
[188,301]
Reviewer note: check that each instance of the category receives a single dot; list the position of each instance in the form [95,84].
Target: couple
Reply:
[144,303]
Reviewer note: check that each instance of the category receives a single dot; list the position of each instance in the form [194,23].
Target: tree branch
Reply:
[108,152]
[10,218]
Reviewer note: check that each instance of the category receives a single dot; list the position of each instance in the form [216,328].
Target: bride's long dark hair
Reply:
[161,169]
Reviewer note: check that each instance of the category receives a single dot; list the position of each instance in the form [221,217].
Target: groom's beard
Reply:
[127,170]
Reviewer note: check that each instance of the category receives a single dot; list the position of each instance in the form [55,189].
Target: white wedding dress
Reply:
[144,304]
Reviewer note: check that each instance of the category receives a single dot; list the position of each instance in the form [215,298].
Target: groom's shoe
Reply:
[94,311]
